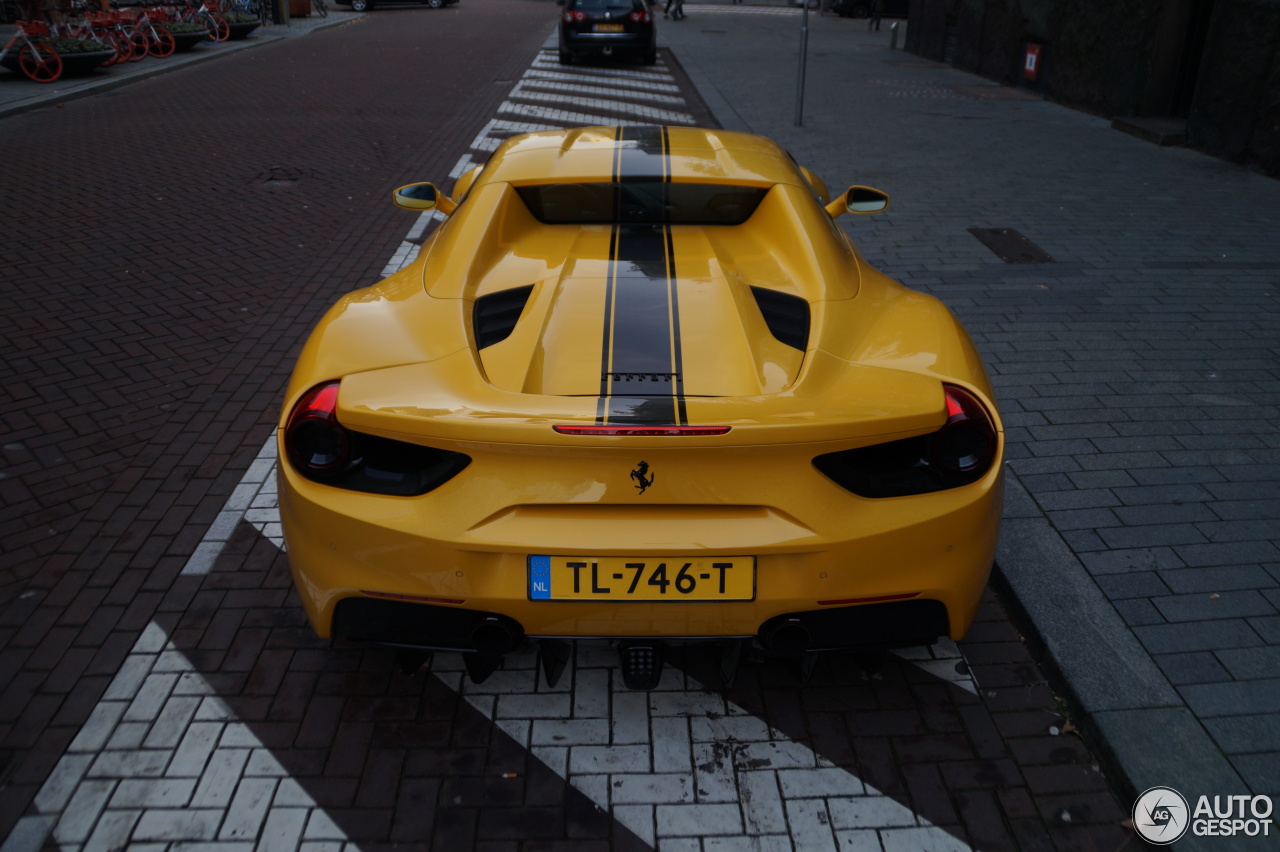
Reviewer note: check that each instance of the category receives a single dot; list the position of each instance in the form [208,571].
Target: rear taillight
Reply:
[968,440]
[315,440]
[959,453]
[643,431]
[323,450]
[637,17]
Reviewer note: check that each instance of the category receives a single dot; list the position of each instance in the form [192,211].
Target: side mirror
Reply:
[423,196]
[859,199]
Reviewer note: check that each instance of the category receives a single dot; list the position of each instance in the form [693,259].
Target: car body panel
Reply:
[472,540]
[670,335]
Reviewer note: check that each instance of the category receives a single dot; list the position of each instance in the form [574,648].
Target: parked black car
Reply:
[366,5]
[862,8]
[607,28]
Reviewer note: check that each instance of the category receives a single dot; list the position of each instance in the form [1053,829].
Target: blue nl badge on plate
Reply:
[540,578]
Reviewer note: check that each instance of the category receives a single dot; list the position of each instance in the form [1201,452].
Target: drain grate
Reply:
[278,176]
[1010,246]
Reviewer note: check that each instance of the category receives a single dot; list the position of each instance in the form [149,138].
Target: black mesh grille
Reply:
[495,316]
[787,316]
[385,466]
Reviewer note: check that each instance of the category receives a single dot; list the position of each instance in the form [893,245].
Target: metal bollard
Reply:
[893,36]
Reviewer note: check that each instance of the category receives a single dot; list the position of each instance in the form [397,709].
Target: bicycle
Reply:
[38,61]
[107,28]
[255,8]
[204,14]
[207,13]
[154,41]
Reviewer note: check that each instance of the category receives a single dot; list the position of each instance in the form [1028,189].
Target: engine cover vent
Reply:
[495,316]
[787,316]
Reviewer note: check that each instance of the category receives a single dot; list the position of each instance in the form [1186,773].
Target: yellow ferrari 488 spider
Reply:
[639,386]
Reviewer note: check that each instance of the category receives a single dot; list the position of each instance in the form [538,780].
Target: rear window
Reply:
[641,202]
[607,5]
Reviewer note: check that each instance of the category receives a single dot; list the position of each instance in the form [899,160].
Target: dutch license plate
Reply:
[607,28]
[660,578]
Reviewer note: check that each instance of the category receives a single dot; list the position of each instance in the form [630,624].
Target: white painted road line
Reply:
[163,759]
[574,119]
[548,61]
[542,90]
[682,763]
[260,474]
[619,84]
[552,102]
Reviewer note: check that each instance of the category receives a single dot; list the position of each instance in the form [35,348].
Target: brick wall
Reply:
[1123,57]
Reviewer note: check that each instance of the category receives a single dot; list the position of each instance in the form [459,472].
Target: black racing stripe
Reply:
[641,381]
[641,364]
[682,414]
[642,154]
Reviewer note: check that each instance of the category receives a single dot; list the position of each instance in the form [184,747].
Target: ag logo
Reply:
[1160,815]
[642,482]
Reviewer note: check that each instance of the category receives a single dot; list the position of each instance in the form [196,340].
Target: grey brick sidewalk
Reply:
[1137,371]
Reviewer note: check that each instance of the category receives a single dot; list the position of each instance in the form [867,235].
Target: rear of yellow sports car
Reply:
[639,385]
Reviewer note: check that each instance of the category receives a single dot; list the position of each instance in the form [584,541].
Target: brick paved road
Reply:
[230,205]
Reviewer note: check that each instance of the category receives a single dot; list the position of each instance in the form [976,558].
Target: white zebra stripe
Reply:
[551,113]
[524,89]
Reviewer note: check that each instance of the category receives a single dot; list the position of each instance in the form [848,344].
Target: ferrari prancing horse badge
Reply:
[642,482]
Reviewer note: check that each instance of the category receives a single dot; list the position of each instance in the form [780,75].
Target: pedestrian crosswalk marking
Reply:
[557,103]
[524,88]
[618,84]
[549,62]
[566,118]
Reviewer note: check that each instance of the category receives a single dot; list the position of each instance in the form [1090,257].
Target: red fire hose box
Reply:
[1031,62]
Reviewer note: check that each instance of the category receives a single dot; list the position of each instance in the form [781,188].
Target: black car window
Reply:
[653,202]
[607,5]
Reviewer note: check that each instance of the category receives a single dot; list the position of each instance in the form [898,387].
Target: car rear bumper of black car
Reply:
[607,44]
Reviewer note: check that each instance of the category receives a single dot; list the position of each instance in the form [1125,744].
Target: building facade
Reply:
[1212,66]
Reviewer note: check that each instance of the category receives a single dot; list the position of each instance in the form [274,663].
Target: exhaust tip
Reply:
[493,635]
[788,637]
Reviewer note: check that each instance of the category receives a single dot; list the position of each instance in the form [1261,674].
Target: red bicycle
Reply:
[148,38]
[36,59]
[205,13]
[104,28]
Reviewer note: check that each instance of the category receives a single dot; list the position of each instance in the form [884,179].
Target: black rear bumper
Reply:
[404,624]
[609,45]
